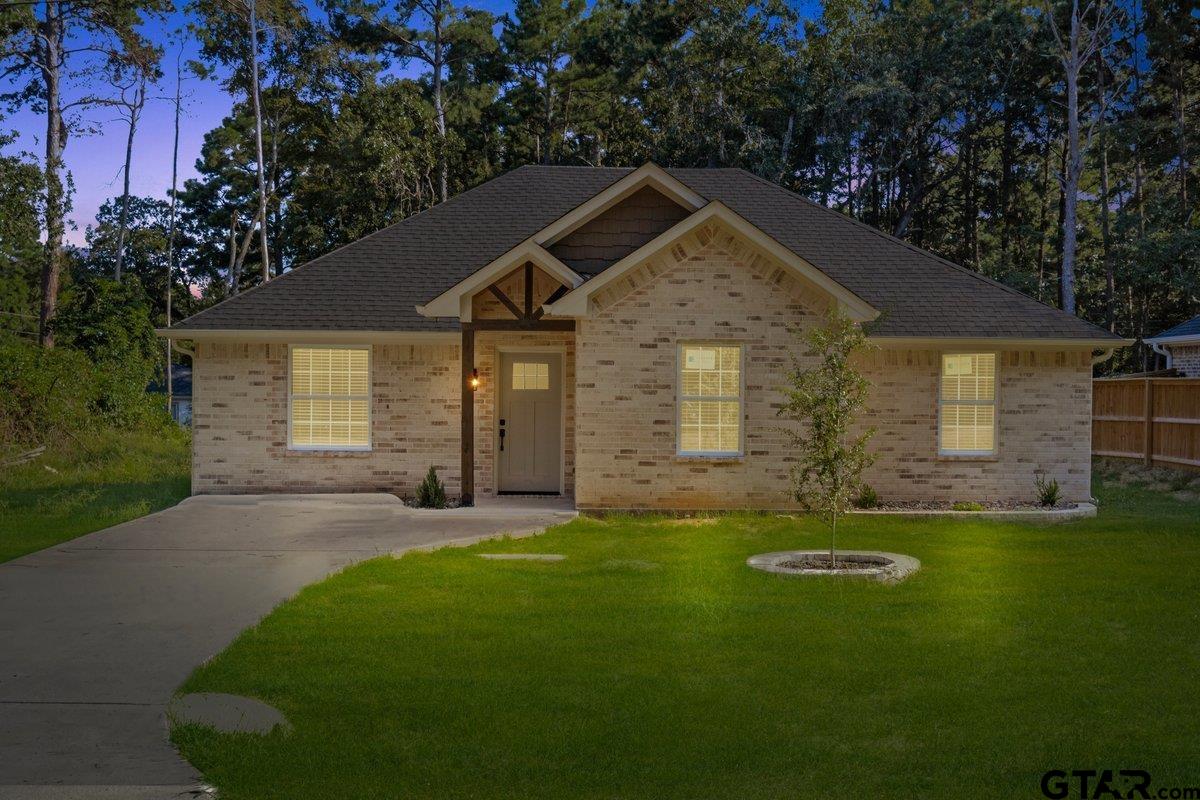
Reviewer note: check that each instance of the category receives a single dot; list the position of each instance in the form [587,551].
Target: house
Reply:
[1181,346]
[181,393]
[620,336]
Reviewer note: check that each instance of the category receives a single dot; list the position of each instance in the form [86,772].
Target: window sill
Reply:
[988,458]
[695,458]
[329,452]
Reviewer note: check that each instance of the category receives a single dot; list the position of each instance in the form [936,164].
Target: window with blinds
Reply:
[967,404]
[710,400]
[330,398]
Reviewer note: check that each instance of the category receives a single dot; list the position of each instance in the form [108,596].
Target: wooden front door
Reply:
[529,423]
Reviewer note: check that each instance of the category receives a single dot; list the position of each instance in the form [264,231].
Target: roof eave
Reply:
[306,336]
[1035,342]
[1183,338]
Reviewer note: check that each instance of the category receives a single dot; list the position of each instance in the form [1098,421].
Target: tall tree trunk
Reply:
[785,151]
[51,30]
[171,224]
[1074,167]
[235,266]
[439,104]
[1181,137]
[1110,285]
[1044,214]
[548,110]
[258,143]
[135,112]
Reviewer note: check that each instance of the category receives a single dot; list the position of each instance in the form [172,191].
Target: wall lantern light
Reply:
[474,382]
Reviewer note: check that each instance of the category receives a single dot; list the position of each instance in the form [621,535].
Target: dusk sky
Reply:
[95,161]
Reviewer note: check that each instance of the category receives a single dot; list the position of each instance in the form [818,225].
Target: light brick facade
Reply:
[1186,359]
[620,401]
[627,363]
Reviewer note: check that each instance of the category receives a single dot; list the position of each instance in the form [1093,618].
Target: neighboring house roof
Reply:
[181,382]
[376,283]
[1183,332]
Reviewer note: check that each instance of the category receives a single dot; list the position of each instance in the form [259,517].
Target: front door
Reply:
[529,430]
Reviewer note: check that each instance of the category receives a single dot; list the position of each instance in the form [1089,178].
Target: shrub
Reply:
[867,498]
[431,493]
[43,393]
[967,506]
[1048,491]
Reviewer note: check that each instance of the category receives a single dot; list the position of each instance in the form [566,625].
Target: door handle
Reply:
[501,436]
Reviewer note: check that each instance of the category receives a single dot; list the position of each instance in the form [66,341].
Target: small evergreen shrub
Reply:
[431,493]
[1048,491]
[967,506]
[867,498]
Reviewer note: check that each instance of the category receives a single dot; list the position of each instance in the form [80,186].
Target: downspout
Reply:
[1162,350]
[180,349]
[1103,356]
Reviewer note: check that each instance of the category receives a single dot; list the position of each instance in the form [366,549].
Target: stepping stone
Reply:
[522,556]
[228,713]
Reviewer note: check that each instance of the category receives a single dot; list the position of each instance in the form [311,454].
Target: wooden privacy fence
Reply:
[1156,420]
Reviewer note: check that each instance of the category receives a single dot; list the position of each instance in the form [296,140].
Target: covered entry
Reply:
[529,422]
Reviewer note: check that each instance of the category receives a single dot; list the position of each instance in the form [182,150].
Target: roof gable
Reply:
[577,302]
[608,237]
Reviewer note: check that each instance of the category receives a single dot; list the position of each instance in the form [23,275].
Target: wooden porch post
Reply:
[468,418]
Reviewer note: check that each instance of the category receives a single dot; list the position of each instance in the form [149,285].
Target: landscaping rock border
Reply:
[1077,511]
[899,568]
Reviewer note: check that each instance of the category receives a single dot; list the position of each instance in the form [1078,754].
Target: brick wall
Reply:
[240,405]
[1186,359]
[712,287]
[239,423]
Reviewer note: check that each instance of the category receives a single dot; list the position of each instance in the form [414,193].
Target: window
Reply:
[710,400]
[330,398]
[967,418]
[531,375]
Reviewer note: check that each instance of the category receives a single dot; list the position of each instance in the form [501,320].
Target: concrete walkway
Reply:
[96,634]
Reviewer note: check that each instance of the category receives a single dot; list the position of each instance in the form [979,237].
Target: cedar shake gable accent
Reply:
[376,283]
[601,242]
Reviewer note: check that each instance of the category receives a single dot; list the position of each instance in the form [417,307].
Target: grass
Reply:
[652,663]
[98,481]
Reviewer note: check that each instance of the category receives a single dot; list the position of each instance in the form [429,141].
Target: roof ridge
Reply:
[896,240]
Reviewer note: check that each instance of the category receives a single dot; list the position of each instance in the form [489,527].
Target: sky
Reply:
[95,161]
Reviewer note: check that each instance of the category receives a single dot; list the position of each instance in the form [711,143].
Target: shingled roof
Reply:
[376,282]
[1190,328]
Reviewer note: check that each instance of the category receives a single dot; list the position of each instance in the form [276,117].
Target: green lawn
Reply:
[91,484]
[653,664]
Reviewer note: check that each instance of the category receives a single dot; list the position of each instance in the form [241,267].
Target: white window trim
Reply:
[370,418]
[995,404]
[681,398]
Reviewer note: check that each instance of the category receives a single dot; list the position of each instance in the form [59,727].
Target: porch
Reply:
[518,391]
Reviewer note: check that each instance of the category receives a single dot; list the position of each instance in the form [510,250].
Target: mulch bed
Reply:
[841,565]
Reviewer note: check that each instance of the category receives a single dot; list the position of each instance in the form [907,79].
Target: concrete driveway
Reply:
[97,633]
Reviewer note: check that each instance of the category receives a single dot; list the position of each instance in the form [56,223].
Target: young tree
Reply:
[45,48]
[825,398]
